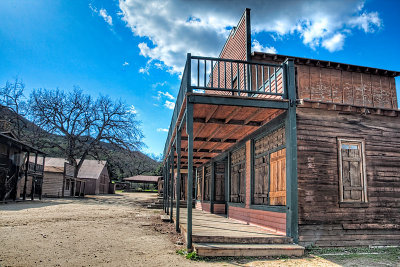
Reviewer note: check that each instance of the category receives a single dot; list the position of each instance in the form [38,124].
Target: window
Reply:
[352,178]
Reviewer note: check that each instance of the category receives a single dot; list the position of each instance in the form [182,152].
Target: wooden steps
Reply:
[247,250]
[241,239]
[215,235]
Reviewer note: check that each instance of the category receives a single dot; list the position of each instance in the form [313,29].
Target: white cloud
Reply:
[125,64]
[335,43]
[132,110]
[107,18]
[170,29]
[162,130]
[166,94]
[102,13]
[157,84]
[169,104]
[369,22]
[257,47]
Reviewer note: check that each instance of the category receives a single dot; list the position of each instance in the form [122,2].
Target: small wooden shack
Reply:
[93,179]
[145,180]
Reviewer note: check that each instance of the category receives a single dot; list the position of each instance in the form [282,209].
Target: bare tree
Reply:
[12,101]
[88,125]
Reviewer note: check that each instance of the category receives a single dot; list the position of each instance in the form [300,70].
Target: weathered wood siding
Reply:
[52,184]
[323,221]
[219,182]
[347,87]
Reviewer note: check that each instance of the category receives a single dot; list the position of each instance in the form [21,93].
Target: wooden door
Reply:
[277,191]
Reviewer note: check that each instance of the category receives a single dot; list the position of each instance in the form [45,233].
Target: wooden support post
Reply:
[203,178]
[227,184]
[178,178]
[64,180]
[291,154]
[15,185]
[34,177]
[212,185]
[189,131]
[26,175]
[41,181]
[196,184]
[168,176]
[172,184]
[164,180]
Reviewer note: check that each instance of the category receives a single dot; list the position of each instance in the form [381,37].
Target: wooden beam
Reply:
[252,116]
[237,101]
[232,114]
[222,121]
[211,113]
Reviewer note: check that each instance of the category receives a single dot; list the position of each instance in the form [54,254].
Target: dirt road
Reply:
[109,230]
[112,230]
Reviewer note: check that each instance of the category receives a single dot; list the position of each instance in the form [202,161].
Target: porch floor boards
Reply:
[215,235]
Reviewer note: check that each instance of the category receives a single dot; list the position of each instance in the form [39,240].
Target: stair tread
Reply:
[247,246]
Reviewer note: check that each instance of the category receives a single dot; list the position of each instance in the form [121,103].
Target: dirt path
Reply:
[109,230]
[113,230]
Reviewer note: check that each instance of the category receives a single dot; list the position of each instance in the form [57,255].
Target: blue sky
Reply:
[135,50]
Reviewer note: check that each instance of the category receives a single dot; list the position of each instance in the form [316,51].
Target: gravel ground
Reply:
[106,230]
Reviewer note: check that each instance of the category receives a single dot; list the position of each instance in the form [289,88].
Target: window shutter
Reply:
[352,178]
[277,188]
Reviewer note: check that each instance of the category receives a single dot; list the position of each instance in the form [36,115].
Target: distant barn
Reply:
[93,173]
[145,180]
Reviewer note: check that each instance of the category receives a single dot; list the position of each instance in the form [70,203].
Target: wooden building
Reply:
[20,174]
[93,178]
[145,181]
[306,148]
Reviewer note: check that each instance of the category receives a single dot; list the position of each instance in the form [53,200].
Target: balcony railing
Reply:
[219,76]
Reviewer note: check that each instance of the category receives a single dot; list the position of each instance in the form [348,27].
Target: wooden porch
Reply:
[215,235]
[217,115]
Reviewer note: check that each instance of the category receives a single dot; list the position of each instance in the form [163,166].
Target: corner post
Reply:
[34,178]
[26,175]
[178,178]
[227,183]
[189,131]
[167,188]
[196,183]
[212,189]
[291,154]
[172,183]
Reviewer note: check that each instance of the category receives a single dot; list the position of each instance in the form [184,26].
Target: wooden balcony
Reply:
[231,99]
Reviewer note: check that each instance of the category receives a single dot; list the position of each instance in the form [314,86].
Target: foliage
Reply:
[189,255]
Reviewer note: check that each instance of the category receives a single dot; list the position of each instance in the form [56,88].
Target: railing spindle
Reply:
[211,74]
[269,80]
[276,81]
[244,78]
[262,78]
[218,76]
[257,77]
[198,72]
[225,73]
[238,78]
[231,77]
